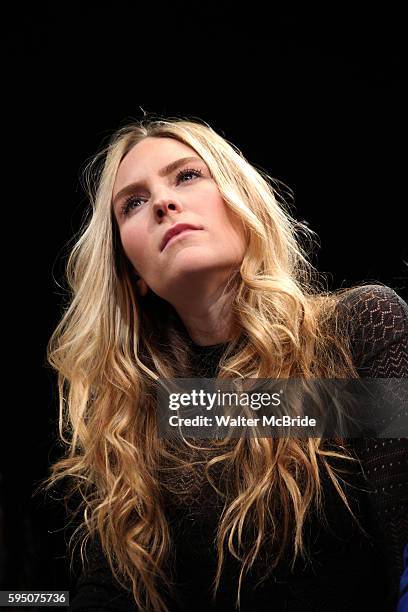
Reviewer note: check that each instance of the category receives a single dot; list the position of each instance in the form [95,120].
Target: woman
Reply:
[260,523]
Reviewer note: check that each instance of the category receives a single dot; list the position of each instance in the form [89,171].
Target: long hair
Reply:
[112,344]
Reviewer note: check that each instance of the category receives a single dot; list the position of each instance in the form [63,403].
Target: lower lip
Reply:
[180,235]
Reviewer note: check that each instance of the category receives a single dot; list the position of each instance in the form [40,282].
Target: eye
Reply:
[131,200]
[127,204]
[188,171]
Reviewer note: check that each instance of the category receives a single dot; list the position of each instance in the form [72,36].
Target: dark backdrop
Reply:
[317,99]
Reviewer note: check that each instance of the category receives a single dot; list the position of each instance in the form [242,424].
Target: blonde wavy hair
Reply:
[112,345]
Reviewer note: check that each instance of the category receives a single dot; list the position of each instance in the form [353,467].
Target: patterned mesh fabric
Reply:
[380,341]
[350,570]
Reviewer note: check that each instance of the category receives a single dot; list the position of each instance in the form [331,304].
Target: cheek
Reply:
[227,232]
[236,231]
[218,213]
[233,222]
[134,244]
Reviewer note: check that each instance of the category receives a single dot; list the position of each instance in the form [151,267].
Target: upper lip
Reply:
[176,229]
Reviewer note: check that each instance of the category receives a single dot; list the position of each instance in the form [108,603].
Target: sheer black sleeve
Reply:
[379,333]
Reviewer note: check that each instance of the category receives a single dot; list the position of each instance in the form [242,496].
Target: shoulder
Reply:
[375,306]
[376,317]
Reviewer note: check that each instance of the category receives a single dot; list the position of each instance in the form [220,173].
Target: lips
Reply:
[176,229]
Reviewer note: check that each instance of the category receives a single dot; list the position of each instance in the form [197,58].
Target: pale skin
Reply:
[192,271]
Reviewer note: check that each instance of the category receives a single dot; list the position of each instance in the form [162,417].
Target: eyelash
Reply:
[125,207]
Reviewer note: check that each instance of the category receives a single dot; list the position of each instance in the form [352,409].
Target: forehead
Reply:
[151,154]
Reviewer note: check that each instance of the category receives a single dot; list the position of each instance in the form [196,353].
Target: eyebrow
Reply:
[163,172]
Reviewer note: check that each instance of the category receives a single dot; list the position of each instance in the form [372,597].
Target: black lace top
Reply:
[349,571]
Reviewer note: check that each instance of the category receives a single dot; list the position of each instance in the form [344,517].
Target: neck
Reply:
[209,321]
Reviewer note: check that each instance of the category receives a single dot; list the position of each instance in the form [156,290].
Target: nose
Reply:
[163,205]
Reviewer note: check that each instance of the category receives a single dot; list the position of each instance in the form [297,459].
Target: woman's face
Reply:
[158,201]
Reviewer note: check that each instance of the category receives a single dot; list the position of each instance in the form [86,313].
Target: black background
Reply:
[317,98]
